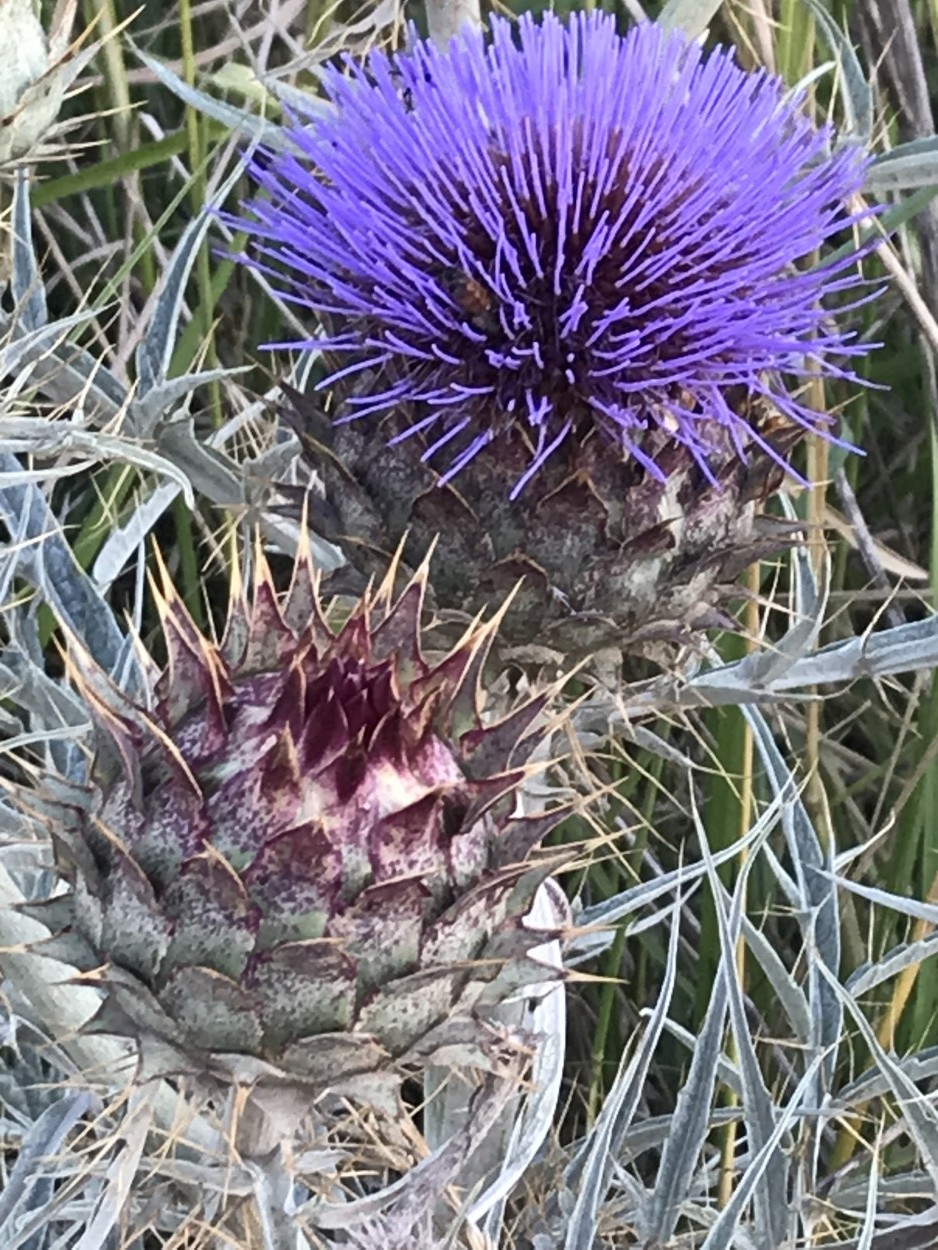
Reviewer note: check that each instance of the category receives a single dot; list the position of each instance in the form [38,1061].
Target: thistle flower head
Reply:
[303,853]
[562,231]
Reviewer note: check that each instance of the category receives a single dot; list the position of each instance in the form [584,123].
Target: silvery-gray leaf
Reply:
[217,478]
[231,1177]
[151,405]
[722,1235]
[29,295]
[273,1189]
[620,905]
[858,94]
[872,1084]
[47,561]
[769,1189]
[296,99]
[913,907]
[110,1208]
[128,538]
[691,16]
[763,669]
[891,964]
[784,986]
[852,1193]
[35,436]
[910,1232]
[689,1125]
[70,376]
[589,1173]
[52,709]
[155,350]
[727,1072]
[789,886]
[920,1115]
[241,120]
[25,349]
[843,859]
[911,164]
[872,1203]
[908,648]
[43,1142]
[216,475]
[423,1185]
[820,918]
[545,1019]
[64,373]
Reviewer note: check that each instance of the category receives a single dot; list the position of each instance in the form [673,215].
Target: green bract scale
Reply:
[300,861]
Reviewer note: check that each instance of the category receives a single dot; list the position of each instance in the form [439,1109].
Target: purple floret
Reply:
[560,229]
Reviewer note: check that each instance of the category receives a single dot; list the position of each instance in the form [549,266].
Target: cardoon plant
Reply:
[264,851]
[297,854]
[567,289]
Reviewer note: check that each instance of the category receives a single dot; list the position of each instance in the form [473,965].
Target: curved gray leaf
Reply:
[151,405]
[920,1115]
[784,986]
[546,1020]
[912,164]
[858,94]
[45,559]
[770,1187]
[820,919]
[29,295]
[689,1125]
[590,1171]
[237,119]
[913,907]
[620,905]
[722,1235]
[872,1084]
[891,964]
[27,348]
[691,16]
[43,1141]
[155,350]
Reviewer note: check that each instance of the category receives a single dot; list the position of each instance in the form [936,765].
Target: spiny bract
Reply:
[301,860]
[567,280]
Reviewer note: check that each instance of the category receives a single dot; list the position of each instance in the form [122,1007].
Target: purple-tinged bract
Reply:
[563,230]
[299,861]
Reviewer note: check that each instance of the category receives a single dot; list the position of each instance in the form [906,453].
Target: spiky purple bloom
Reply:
[562,229]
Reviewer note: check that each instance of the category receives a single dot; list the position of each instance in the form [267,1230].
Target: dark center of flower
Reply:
[364,693]
[567,302]
[559,326]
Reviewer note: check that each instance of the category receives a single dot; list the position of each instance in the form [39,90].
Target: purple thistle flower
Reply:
[561,229]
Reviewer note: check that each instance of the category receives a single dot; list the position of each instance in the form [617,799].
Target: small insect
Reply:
[403,91]
[473,298]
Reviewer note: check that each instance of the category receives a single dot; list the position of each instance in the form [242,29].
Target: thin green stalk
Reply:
[923,1014]
[117,84]
[198,191]
[106,173]
[189,576]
